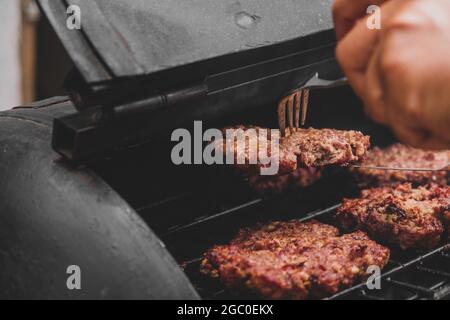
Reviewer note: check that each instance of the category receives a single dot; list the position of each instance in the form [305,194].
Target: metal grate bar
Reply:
[365,295]
[193,261]
[434,271]
[212,217]
[410,286]
[318,213]
[425,256]
[163,202]
[219,293]
[446,255]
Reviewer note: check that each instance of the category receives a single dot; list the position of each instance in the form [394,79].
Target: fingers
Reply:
[402,93]
[359,55]
[355,50]
[400,70]
[347,12]
[354,53]
[375,101]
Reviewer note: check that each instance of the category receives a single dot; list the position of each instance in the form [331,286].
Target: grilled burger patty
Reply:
[300,178]
[407,216]
[293,260]
[324,147]
[401,156]
[303,148]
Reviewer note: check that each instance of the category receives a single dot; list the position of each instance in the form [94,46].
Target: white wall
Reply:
[10,82]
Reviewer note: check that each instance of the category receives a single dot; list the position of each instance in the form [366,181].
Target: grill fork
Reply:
[296,102]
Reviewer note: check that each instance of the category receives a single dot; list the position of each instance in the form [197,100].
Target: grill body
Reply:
[53,216]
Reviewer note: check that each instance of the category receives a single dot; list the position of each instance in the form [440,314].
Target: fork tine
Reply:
[298,96]
[305,103]
[290,107]
[282,116]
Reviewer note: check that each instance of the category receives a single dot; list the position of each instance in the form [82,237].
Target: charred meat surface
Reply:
[324,147]
[303,148]
[401,156]
[403,215]
[293,260]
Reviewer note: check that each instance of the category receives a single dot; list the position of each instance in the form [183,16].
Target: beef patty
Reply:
[407,216]
[293,260]
[401,156]
[304,149]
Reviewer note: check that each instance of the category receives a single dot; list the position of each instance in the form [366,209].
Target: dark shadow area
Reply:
[53,63]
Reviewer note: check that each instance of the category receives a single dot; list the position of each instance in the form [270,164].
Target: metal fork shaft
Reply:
[399,169]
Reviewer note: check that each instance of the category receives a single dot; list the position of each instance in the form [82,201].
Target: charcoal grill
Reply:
[105,194]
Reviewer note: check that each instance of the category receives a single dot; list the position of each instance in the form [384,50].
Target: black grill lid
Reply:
[146,66]
[126,38]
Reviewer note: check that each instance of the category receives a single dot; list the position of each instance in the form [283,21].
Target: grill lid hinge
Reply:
[155,102]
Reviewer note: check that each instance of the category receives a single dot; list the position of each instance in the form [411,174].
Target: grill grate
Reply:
[408,275]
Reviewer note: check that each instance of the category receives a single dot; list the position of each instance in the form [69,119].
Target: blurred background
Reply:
[33,63]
